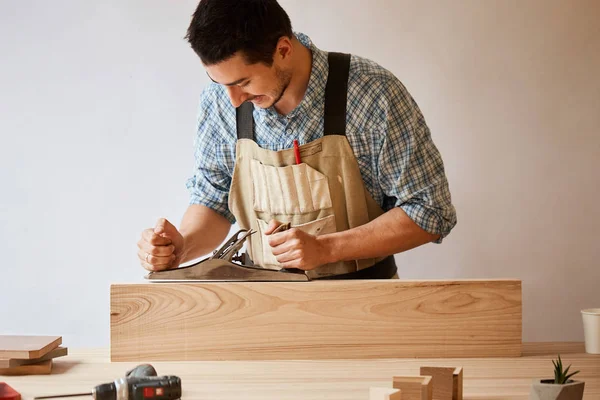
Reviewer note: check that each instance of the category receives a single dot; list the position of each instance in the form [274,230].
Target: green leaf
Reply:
[570,375]
[560,363]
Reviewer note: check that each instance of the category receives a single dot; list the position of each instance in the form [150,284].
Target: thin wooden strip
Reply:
[15,362]
[315,320]
[27,347]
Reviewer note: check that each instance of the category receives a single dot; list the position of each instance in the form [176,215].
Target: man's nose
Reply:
[237,95]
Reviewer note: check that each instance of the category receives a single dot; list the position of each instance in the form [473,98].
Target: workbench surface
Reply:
[490,378]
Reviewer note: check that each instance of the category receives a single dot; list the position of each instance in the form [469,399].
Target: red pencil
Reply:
[297,152]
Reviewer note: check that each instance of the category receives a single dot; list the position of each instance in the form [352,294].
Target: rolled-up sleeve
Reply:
[411,171]
[211,179]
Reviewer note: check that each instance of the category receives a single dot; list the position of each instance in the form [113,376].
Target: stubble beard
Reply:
[283,81]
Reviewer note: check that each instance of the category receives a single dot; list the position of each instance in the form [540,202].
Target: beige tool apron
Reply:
[324,194]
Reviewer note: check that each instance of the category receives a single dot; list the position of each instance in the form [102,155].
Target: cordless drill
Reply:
[140,383]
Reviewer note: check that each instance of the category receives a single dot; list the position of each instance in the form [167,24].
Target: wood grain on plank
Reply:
[15,362]
[27,347]
[315,320]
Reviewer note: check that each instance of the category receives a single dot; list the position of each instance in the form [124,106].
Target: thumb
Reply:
[276,226]
[165,228]
[273,224]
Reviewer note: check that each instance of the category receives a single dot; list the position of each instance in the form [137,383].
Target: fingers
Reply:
[276,239]
[160,250]
[156,240]
[289,256]
[273,224]
[155,263]
[165,228]
[296,264]
[284,246]
[160,226]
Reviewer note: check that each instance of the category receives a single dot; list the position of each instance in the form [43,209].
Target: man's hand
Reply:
[160,247]
[294,248]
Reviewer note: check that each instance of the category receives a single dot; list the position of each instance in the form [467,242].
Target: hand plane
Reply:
[223,265]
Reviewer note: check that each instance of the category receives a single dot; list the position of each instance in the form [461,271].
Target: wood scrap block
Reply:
[42,368]
[446,381]
[26,346]
[414,387]
[381,393]
[15,362]
[189,321]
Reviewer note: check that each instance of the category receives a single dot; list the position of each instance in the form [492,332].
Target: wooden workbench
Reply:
[490,378]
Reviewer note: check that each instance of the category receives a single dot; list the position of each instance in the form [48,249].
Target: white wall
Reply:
[97,115]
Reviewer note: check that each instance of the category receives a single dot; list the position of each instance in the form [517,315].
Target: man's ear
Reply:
[284,48]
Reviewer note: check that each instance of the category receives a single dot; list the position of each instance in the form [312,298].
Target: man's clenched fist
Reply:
[160,247]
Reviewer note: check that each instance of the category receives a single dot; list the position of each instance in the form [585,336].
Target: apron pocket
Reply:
[293,189]
[317,227]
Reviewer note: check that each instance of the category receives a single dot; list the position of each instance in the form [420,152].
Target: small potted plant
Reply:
[562,387]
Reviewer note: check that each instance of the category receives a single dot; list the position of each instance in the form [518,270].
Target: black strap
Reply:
[384,269]
[245,121]
[336,94]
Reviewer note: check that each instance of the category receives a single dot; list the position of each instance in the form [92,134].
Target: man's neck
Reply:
[296,89]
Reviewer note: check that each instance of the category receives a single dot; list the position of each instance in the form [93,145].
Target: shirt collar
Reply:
[316,83]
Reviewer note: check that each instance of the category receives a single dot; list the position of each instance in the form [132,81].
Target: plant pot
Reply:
[545,389]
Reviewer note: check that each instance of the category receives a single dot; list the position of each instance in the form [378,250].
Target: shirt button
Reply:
[288,130]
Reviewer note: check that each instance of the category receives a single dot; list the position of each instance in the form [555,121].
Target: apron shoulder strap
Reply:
[336,93]
[245,121]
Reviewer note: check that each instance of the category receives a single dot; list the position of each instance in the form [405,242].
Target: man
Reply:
[366,183]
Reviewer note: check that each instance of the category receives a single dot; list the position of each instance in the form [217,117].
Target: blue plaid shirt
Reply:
[399,163]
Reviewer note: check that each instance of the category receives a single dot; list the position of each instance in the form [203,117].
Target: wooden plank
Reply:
[42,368]
[414,387]
[26,346]
[381,393]
[15,362]
[315,320]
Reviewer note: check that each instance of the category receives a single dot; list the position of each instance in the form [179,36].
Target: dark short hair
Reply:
[220,28]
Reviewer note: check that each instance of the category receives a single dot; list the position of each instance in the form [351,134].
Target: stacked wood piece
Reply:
[433,383]
[29,355]
[447,382]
